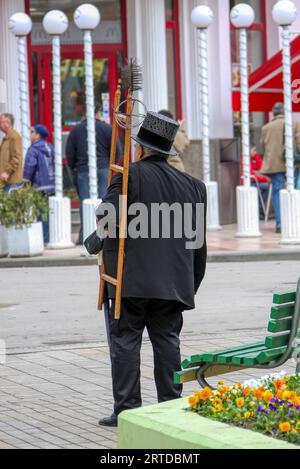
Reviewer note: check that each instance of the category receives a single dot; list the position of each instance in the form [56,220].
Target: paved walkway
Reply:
[54,399]
[56,383]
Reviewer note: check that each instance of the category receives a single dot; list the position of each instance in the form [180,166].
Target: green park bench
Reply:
[277,348]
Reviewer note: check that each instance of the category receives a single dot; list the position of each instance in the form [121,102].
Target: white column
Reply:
[219,60]
[57,116]
[3,241]
[153,17]
[147,42]
[23,93]
[90,112]
[60,224]
[9,59]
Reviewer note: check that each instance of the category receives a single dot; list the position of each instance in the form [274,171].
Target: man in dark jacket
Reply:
[39,167]
[162,272]
[78,160]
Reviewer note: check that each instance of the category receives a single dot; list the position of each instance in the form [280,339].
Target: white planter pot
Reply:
[26,241]
[3,242]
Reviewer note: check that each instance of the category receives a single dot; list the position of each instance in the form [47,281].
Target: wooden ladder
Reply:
[124,170]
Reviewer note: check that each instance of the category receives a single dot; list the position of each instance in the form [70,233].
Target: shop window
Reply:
[110,31]
[173,57]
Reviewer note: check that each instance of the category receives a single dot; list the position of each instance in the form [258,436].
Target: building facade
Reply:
[160,35]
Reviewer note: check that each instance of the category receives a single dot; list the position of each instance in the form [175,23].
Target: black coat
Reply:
[77,146]
[157,268]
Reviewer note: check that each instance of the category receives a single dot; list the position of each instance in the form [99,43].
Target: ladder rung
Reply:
[117,168]
[109,279]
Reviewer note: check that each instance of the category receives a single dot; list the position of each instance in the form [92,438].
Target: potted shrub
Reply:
[19,211]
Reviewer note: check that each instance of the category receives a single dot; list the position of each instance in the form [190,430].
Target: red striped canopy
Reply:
[266,83]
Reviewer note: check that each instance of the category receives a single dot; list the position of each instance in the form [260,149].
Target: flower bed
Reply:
[270,405]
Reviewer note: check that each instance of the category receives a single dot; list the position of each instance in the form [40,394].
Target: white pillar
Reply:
[147,42]
[153,17]
[242,17]
[60,223]
[290,216]
[89,218]
[9,59]
[247,212]
[288,113]
[24,95]
[3,241]
[90,113]
[57,115]
[202,18]
[219,65]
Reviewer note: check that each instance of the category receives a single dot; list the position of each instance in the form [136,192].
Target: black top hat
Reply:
[158,133]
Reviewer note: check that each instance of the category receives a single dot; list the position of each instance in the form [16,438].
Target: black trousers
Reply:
[163,320]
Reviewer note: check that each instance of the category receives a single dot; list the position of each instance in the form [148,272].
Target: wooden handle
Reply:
[123,223]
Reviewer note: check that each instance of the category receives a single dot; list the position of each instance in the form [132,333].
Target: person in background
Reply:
[10,154]
[257,179]
[274,165]
[39,167]
[181,143]
[78,161]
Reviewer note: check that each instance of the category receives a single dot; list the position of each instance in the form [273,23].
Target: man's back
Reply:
[77,146]
[160,266]
[272,140]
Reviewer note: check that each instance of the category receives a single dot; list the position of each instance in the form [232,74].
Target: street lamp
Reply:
[242,17]
[87,17]
[21,25]
[284,14]
[202,17]
[55,24]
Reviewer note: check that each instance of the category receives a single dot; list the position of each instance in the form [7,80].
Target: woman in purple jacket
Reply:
[39,167]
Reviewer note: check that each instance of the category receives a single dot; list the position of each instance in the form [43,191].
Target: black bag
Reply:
[93,244]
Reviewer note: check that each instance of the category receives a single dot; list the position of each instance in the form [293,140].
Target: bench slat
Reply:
[280,325]
[184,376]
[239,358]
[272,354]
[283,311]
[274,341]
[228,357]
[212,356]
[281,298]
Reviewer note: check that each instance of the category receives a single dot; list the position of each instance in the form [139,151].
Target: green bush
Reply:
[22,207]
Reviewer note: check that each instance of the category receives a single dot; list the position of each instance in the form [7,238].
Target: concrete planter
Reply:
[26,241]
[169,426]
[3,242]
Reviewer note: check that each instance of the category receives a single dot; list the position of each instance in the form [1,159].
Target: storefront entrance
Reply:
[73,85]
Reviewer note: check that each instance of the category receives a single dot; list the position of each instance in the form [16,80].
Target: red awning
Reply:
[266,83]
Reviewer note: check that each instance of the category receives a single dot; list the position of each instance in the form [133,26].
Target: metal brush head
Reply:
[132,76]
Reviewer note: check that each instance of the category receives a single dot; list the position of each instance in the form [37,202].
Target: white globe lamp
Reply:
[20,24]
[242,16]
[202,16]
[284,13]
[55,22]
[87,17]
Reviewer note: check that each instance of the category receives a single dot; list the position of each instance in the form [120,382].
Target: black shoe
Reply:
[278,230]
[111,421]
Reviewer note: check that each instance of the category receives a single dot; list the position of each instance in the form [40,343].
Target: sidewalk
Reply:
[56,382]
[54,399]
[223,246]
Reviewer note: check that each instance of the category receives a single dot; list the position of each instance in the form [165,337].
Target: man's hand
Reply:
[4,177]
